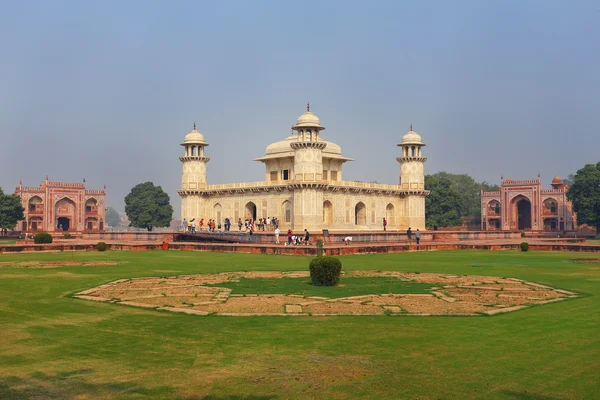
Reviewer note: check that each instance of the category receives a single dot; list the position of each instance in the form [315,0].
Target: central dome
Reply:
[284,146]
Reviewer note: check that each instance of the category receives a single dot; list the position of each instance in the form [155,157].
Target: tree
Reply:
[112,217]
[148,206]
[585,195]
[469,191]
[11,210]
[443,205]
[569,180]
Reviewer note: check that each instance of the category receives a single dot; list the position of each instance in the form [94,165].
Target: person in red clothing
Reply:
[290,234]
[384,224]
[201,223]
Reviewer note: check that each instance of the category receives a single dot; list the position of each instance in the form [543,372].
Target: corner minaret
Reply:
[412,181]
[193,177]
[308,181]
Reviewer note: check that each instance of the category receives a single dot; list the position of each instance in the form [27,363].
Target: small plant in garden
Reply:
[101,246]
[68,236]
[319,248]
[523,234]
[325,271]
[42,238]
[524,246]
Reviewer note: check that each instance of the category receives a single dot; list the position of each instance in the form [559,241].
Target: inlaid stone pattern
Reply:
[452,295]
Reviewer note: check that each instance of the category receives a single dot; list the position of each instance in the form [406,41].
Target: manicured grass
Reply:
[7,241]
[356,286]
[55,346]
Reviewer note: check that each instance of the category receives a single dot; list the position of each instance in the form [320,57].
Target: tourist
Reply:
[219,226]
[409,234]
[193,226]
[184,224]
[201,223]
[306,237]
[289,234]
[264,224]
[347,240]
[189,227]
[268,223]
[277,235]
[418,236]
[239,224]
[384,224]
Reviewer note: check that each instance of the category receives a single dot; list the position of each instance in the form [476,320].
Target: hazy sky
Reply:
[107,90]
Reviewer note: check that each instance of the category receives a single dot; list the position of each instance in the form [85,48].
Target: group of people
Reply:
[294,239]
[190,226]
[409,235]
[263,224]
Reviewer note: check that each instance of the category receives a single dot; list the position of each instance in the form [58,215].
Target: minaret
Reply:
[193,177]
[307,181]
[412,181]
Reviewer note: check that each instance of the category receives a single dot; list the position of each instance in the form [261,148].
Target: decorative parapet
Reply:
[194,158]
[95,192]
[66,185]
[510,182]
[407,159]
[490,193]
[308,145]
[30,189]
[265,186]
[553,191]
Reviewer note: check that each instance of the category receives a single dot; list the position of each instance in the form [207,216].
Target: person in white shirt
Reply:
[276,235]
[347,240]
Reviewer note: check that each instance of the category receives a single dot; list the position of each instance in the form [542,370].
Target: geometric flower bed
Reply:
[450,295]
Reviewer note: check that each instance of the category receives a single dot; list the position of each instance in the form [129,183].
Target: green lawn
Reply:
[54,346]
[355,286]
[7,241]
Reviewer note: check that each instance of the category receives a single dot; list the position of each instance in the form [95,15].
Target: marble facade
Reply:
[303,186]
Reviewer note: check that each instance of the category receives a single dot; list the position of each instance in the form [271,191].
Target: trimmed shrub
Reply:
[68,236]
[572,241]
[319,248]
[325,271]
[523,234]
[101,246]
[41,238]
[524,246]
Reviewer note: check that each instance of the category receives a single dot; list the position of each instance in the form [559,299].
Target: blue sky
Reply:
[107,90]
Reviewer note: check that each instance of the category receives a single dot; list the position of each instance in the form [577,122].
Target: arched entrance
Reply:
[250,211]
[218,210]
[360,214]
[389,214]
[287,212]
[327,213]
[522,208]
[64,210]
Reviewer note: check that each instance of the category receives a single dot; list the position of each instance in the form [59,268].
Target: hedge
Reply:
[325,271]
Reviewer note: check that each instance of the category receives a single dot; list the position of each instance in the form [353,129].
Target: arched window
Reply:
[494,207]
[287,211]
[360,214]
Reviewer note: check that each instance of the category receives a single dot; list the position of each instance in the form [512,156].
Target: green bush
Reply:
[41,238]
[524,246]
[319,248]
[101,246]
[523,234]
[68,236]
[572,241]
[325,271]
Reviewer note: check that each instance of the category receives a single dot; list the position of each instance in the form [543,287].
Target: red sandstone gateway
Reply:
[62,207]
[525,206]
